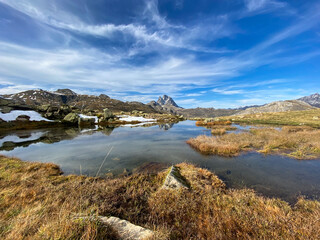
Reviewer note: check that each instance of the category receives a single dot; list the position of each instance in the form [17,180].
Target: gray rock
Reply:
[127,230]
[6,109]
[107,114]
[43,108]
[135,112]
[71,118]
[23,118]
[175,180]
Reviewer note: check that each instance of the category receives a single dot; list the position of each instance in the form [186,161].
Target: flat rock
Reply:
[127,230]
[175,180]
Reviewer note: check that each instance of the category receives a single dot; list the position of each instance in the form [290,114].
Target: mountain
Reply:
[167,101]
[279,106]
[165,104]
[34,99]
[313,100]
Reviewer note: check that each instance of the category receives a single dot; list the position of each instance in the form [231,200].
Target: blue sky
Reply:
[202,53]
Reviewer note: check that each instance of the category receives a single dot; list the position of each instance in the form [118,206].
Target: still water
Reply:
[157,147]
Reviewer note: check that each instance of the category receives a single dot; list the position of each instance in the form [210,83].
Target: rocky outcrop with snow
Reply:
[313,100]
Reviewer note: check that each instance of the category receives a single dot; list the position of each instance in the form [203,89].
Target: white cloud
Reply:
[227,92]
[264,5]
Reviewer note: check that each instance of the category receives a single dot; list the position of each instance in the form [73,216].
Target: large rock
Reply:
[6,109]
[107,114]
[43,108]
[175,180]
[127,230]
[71,118]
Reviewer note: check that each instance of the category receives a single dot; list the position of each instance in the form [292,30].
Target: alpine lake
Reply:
[132,149]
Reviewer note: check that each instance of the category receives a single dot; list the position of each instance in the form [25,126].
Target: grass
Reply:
[218,131]
[296,142]
[293,118]
[212,123]
[36,202]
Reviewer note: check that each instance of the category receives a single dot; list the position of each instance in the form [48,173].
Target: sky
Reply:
[204,53]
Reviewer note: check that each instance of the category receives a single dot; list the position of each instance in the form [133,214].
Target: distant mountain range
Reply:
[35,99]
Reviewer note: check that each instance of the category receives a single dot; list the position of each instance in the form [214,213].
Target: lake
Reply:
[136,149]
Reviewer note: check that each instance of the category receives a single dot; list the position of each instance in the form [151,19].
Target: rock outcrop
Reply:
[127,230]
[175,180]
[72,118]
[313,100]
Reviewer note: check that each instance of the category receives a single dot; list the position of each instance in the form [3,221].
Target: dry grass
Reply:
[218,131]
[293,118]
[297,142]
[36,202]
[212,123]
[210,211]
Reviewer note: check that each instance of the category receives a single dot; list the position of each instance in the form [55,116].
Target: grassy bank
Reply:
[293,118]
[297,142]
[36,202]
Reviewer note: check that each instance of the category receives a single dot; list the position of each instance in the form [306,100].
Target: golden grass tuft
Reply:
[296,142]
[218,131]
[212,123]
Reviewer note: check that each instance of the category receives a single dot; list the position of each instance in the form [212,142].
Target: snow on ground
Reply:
[127,118]
[85,116]
[11,116]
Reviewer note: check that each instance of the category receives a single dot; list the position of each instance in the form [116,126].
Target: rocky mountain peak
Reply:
[165,100]
[313,99]
[65,91]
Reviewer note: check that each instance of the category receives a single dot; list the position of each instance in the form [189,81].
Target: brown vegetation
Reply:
[297,142]
[211,124]
[218,131]
[36,202]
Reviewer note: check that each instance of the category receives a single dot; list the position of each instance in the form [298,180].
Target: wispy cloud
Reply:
[151,54]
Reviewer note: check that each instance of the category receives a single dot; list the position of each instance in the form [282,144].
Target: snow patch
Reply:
[11,116]
[127,118]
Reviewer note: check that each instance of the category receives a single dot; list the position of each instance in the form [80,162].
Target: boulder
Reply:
[23,118]
[127,230]
[6,109]
[43,108]
[107,114]
[72,118]
[135,112]
[175,180]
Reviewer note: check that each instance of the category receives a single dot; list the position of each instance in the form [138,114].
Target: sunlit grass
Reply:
[36,202]
[297,142]
[294,118]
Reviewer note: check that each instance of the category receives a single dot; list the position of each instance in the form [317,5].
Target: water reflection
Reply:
[151,149]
